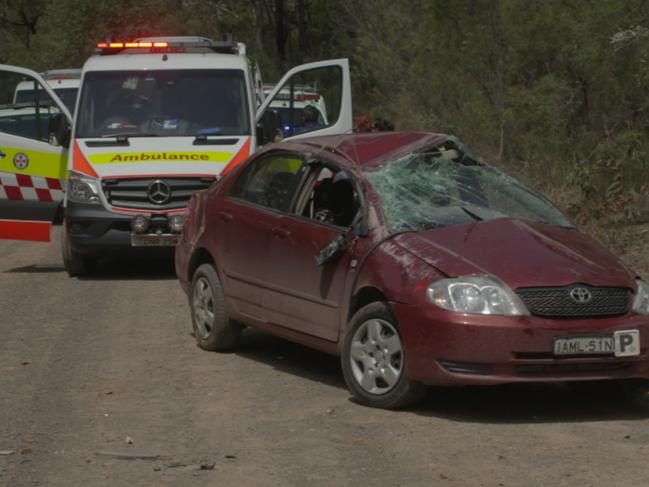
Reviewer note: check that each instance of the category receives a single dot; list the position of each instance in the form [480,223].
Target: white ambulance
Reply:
[156,120]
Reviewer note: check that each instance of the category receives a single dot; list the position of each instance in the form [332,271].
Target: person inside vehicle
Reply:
[310,120]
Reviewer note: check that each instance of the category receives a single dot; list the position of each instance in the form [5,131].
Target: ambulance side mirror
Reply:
[58,131]
[269,128]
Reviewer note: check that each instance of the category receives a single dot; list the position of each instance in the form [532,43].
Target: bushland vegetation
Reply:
[555,91]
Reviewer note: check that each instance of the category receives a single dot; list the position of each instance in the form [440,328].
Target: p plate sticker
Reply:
[627,343]
[21,161]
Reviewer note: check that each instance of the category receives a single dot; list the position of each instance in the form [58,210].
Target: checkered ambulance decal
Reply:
[21,187]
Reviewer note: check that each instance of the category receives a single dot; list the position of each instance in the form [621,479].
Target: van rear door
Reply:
[311,99]
[32,171]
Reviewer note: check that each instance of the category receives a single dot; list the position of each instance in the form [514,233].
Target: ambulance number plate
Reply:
[165,240]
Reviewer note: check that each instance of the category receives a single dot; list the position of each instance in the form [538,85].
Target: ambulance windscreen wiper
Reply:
[121,140]
[127,135]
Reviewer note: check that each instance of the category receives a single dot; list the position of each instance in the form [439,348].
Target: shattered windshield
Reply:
[164,103]
[443,187]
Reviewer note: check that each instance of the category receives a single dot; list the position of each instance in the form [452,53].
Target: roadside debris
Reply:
[129,440]
[202,465]
[127,456]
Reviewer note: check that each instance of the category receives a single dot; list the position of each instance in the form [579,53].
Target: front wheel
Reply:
[213,329]
[75,264]
[374,360]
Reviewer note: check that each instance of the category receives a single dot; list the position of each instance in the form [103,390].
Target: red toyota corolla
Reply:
[416,262]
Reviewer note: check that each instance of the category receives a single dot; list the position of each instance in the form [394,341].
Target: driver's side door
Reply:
[32,171]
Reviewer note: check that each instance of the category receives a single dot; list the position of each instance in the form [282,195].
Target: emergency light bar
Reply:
[172,44]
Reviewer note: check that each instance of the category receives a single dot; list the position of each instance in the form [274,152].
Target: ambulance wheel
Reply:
[75,264]
[213,330]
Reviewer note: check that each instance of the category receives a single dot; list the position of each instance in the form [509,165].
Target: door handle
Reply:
[226,216]
[281,232]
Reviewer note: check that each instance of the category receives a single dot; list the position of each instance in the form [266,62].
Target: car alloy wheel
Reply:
[376,356]
[203,307]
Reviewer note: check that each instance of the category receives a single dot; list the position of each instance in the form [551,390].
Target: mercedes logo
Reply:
[158,192]
[581,295]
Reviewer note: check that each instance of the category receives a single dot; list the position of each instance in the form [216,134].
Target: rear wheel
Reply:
[374,360]
[213,330]
[75,264]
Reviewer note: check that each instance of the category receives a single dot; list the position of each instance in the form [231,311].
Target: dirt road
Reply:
[86,364]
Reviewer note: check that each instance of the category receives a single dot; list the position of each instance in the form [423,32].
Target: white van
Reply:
[156,120]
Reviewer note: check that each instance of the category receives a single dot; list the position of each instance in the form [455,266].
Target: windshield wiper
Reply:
[473,215]
[127,135]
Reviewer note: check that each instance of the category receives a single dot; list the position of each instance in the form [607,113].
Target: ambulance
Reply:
[156,120]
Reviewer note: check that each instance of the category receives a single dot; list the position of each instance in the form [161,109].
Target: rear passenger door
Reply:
[247,221]
[32,171]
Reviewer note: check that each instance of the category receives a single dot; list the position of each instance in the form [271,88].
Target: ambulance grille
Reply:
[153,193]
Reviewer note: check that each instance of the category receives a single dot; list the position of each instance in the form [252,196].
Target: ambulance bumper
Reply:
[95,231]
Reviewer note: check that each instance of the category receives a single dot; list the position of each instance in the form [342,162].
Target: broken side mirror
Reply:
[333,249]
[269,128]
[59,131]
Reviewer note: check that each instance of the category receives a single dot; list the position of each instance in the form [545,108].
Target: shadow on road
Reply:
[524,404]
[140,269]
[506,404]
[132,269]
[291,358]
[36,269]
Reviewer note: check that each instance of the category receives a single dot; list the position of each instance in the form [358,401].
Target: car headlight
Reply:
[641,301]
[82,189]
[484,295]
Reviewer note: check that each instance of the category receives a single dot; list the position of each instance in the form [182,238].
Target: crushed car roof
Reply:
[372,149]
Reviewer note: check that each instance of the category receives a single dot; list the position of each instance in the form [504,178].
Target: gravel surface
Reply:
[102,384]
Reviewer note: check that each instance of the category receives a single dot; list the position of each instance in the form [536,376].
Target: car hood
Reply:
[521,253]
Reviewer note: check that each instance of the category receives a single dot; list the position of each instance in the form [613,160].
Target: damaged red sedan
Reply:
[416,262]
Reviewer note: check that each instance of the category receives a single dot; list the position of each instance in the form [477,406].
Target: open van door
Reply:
[34,136]
[311,99]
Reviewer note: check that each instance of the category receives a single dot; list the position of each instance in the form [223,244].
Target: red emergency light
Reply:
[130,45]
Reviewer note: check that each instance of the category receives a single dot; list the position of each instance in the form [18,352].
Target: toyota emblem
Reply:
[581,295]
[158,192]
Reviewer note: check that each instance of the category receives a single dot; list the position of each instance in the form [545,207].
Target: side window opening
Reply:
[25,107]
[331,197]
[270,181]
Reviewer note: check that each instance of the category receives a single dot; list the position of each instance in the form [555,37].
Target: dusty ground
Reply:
[84,364]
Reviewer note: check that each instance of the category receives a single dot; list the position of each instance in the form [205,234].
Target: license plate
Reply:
[624,343]
[154,240]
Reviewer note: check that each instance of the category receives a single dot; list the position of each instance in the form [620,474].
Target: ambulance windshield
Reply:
[165,103]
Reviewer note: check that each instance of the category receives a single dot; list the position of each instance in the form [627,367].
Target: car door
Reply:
[303,295]
[32,171]
[245,221]
[323,88]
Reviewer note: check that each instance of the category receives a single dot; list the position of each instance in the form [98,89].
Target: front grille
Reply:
[134,193]
[557,302]
[570,369]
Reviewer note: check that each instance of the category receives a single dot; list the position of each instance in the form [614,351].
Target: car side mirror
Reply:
[58,131]
[334,249]
[268,127]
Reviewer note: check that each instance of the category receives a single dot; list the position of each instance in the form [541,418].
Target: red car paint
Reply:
[264,259]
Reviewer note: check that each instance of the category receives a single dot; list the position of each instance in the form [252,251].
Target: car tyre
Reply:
[374,361]
[74,263]
[213,330]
